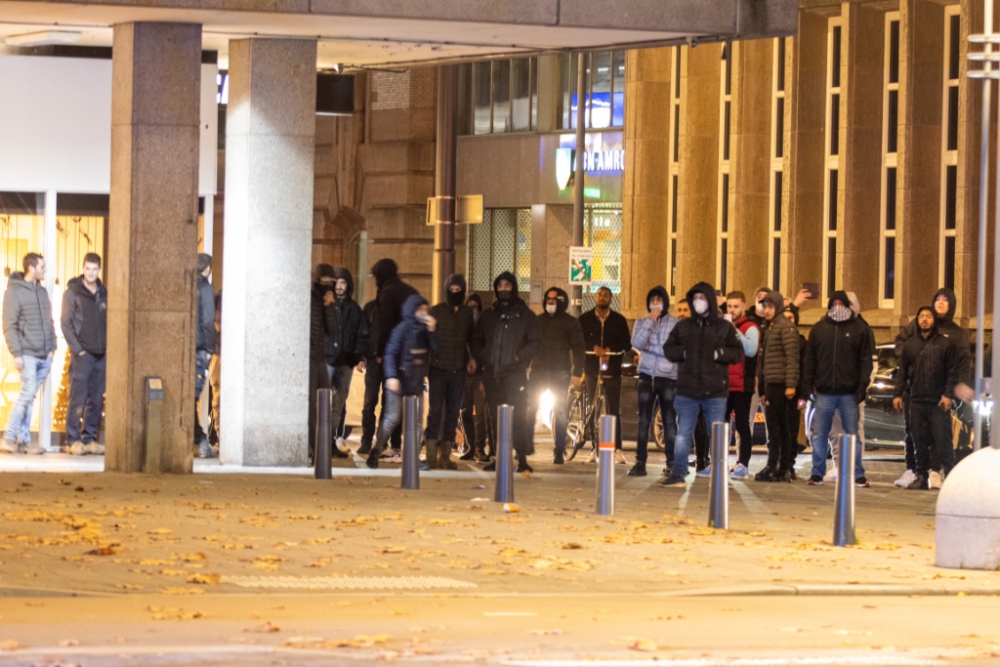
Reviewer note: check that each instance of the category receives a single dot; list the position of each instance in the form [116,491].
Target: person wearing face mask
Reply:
[657,377]
[346,344]
[474,411]
[703,346]
[451,363]
[837,369]
[558,365]
[321,297]
[778,374]
[506,339]
[607,339]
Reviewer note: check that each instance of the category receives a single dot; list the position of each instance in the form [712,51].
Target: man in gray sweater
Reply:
[31,338]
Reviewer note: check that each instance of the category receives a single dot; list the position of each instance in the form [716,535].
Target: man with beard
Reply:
[346,342]
[506,339]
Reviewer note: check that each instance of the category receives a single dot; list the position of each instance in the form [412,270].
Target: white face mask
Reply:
[759,308]
[550,308]
[700,306]
[656,306]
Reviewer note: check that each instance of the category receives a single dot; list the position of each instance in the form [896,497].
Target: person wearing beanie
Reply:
[451,362]
[778,376]
[204,348]
[837,369]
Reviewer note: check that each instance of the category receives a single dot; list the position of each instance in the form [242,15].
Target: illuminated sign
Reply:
[604,156]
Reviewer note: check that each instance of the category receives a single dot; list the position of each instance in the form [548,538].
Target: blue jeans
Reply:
[826,405]
[33,374]
[652,390]
[687,410]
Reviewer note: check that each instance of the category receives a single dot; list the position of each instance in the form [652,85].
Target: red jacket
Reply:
[742,376]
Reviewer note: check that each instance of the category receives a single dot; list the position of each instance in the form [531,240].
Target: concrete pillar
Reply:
[271,125]
[153,239]
[646,177]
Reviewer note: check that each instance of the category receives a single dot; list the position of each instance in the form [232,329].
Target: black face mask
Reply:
[505,295]
[455,299]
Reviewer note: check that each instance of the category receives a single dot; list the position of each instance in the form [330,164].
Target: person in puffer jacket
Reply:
[407,358]
[657,377]
[778,378]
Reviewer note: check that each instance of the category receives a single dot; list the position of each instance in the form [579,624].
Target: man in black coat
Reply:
[506,339]
[346,343]
[321,297]
[930,367]
[606,339]
[559,364]
[474,406]
[704,345]
[450,364]
[373,387]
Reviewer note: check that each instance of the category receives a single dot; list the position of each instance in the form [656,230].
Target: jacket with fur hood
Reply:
[346,326]
[562,340]
[946,327]
[780,354]
[703,346]
[648,338]
[454,330]
[408,351]
[508,335]
[839,355]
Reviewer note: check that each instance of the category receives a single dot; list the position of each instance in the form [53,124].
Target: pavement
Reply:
[239,567]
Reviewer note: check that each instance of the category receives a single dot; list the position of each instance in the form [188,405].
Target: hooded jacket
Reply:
[752,307]
[839,355]
[206,316]
[562,351]
[409,348]
[392,292]
[703,347]
[508,335]
[346,327]
[648,338]
[317,322]
[27,318]
[780,354]
[454,330]
[929,368]
[946,327]
[84,318]
[371,320]
[611,334]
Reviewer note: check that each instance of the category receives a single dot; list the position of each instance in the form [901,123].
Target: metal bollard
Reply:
[843,509]
[412,417]
[718,503]
[503,491]
[323,455]
[606,466]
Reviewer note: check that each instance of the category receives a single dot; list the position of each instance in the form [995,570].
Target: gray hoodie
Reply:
[27,318]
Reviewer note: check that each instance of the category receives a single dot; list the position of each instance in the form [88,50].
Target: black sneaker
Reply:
[782,476]
[920,483]
[863,483]
[490,467]
[468,456]
[365,449]
[815,480]
[765,475]
[673,480]
[522,466]
[482,457]
[791,475]
[638,470]
[372,460]
[559,458]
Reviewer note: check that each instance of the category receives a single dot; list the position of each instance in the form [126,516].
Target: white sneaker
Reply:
[34,448]
[908,478]
[6,447]
[78,449]
[830,476]
[934,479]
[342,446]
[620,457]
[95,448]
[593,456]
[395,458]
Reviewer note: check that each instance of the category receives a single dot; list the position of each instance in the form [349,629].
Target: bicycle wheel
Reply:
[600,409]
[462,444]
[659,436]
[575,422]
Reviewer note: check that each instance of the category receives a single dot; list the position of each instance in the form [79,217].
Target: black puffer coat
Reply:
[347,329]
[929,368]
[839,356]
[453,331]
[562,340]
[508,335]
[780,356]
[946,327]
[703,347]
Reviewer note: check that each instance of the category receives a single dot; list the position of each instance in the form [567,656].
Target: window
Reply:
[949,147]
[501,243]
[831,212]
[602,231]
[725,143]
[890,136]
[675,119]
[497,97]
[604,93]
[777,161]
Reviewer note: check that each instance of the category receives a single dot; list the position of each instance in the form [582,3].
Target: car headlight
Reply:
[547,402]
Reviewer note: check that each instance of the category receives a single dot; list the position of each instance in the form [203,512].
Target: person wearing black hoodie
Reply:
[838,370]
[321,297]
[703,346]
[930,367]
[346,344]
[450,364]
[407,358]
[505,341]
[474,410]
[558,365]
[392,293]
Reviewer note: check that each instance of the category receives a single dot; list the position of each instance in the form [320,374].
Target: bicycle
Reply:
[583,414]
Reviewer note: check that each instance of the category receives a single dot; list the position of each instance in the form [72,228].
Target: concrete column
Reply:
[271,126]
[153,239]
[698,181]
[646,177]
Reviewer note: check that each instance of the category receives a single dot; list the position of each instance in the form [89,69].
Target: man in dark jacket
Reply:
[450,364]
[606,339]
[704,345]
[558,365]
[85,326]
[407,358]
[475,415]
[392,293]
[930,367]
[837,369]
[505,341]
[31,339]
[204,349]
[373,386]
[346,343]
[778,375]
[321,298]
[743,380]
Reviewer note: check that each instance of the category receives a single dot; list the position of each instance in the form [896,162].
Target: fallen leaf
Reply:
[182,591]
[161,531]
[554,631]
[204,578]
[267,627]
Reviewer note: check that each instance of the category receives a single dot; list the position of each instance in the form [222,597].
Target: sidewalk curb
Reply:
[893,590]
